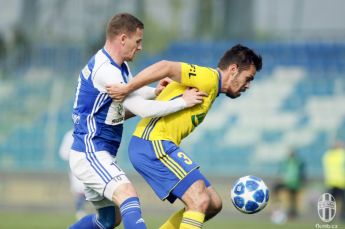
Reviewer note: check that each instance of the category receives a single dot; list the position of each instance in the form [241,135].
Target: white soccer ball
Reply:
[249,194]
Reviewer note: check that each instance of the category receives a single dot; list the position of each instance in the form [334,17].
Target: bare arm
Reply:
[150,74]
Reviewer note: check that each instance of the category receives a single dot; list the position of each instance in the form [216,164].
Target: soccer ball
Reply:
[249,194]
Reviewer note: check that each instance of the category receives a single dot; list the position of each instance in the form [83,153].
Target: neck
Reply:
[224,80]
[114,52]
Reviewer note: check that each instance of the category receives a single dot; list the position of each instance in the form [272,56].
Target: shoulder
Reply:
[104,74]
[205,78]
[197,70]
[105,71]
[104,66]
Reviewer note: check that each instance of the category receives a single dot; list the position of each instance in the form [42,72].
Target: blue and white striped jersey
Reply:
[98,120]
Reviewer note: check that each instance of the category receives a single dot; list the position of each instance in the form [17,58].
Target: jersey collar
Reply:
[219,82]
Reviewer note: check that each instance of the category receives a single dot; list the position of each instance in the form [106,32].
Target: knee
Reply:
[124,192]
[201,202]
[217,206]
[214,208]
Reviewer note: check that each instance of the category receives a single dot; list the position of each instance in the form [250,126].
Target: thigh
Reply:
[75,184]
[99,173]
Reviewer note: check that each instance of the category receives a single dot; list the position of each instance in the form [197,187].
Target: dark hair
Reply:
[242,56]
[123,23]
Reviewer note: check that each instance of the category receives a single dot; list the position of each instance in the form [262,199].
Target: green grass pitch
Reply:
[58,220]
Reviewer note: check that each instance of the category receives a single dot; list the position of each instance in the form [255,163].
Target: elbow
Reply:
[164,63]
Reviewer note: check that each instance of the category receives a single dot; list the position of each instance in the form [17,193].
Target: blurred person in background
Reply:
[292,173]
[334,175]
[154,148]
[98,125]
[77,187]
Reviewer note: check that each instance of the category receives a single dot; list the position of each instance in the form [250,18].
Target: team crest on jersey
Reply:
[116,114]
[86,72]
[197,119]
[119,109]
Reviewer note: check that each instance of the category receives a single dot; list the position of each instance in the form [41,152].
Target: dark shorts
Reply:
[164,166]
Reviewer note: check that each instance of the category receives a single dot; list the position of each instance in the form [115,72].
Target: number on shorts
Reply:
[187,160]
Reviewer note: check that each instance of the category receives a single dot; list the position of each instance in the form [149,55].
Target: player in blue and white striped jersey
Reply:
[98,125]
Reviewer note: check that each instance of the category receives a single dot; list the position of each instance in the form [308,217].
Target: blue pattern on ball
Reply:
[267,195]
[255,178]
[239,202]
[239,189]
[259,196]
[249,194]
[251,206]
[251,185]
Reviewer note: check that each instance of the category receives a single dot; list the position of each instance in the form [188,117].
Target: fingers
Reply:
[199,99]
[192,89]
[201,93]
[168,80]
[164,82]
[116,92]
[193,96]
[117,98]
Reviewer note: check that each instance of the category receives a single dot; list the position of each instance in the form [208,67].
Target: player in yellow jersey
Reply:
[154,148]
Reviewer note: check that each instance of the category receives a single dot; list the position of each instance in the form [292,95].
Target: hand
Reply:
[162,84]
[193,96]
[117,92]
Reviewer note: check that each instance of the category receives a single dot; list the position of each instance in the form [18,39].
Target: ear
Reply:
[123,38]
[233,69]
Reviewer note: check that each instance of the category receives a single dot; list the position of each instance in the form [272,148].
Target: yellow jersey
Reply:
[334,168]
[178,125]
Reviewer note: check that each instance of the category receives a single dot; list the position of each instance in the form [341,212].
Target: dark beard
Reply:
[234,82]
[232,96]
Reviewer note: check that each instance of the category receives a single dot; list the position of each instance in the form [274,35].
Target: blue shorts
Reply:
[164,166]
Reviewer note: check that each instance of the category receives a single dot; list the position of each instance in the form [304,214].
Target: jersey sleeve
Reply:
[146,92]
[106,75]
[145,108]
[205,79]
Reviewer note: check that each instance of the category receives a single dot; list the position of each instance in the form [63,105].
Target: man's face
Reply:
[239,81]
[132,44]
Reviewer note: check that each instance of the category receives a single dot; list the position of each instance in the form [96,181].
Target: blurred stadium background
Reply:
[296,101]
